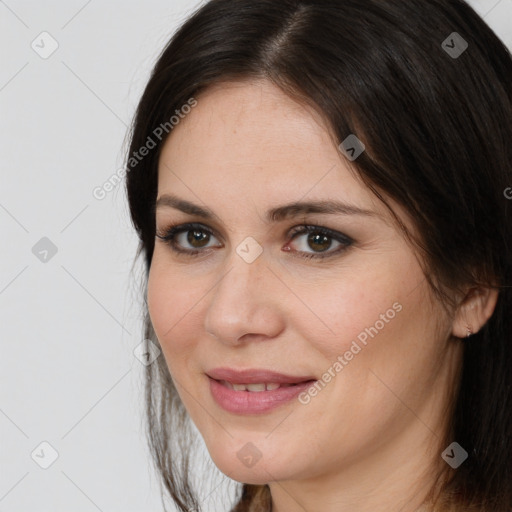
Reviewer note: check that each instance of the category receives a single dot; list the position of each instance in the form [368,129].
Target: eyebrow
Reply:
[276,214]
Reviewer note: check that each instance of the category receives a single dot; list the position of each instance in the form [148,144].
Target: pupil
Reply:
[196,236]
[322,242]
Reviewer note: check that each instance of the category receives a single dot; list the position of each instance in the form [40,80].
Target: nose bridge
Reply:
[243,300]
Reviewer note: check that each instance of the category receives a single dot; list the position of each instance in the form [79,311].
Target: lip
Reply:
[255,376]
[247,402]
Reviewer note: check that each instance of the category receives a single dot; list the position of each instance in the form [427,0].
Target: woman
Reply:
[318,188]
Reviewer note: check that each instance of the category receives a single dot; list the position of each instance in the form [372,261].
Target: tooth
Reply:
[255,387]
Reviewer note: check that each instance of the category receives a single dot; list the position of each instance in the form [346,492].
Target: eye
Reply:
[190,239]
[320,240]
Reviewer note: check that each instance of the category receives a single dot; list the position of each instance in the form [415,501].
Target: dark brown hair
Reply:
[438,134]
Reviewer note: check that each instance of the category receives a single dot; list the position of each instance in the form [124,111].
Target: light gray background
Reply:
[69,326]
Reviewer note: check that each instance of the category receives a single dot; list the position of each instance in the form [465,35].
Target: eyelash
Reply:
[169,234]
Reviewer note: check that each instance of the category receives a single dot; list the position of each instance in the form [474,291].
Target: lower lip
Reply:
[254,402]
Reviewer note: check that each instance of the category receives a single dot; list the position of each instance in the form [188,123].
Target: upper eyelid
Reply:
[296,228]
[293,232]
[184,227]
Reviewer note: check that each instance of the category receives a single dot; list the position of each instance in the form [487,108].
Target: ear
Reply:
[474,311]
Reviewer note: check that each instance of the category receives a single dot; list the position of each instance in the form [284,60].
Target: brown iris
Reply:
[319,242]
[197,236]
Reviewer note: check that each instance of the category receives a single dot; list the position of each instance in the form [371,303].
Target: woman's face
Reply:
[357,316]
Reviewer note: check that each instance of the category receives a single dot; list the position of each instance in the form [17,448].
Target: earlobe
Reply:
[474,311]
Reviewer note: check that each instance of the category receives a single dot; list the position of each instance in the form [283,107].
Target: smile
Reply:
[260,396]
[254,387]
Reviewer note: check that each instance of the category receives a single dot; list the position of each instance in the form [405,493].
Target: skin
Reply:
[371,439]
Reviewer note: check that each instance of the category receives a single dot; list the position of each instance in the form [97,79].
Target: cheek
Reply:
[383,325]
[171,305]
[337,312]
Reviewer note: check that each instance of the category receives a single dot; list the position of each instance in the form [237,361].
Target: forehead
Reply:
[249,134]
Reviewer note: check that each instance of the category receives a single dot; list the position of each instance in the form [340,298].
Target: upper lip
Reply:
[255,376]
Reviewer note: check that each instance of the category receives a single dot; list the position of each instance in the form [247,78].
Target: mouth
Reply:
[259,387]
[255,391]
[256,379]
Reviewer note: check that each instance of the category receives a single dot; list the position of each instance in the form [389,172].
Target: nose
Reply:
[245,303]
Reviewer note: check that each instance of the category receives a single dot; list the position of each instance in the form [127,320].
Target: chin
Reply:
[255,473]
[254,476]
